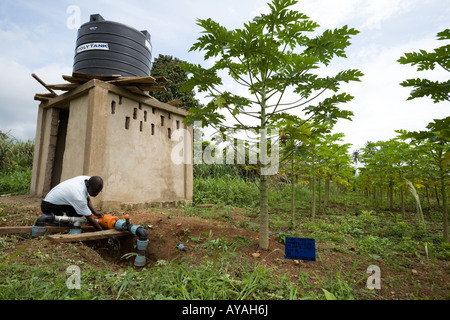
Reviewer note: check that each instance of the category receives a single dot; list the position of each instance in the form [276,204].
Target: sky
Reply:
[39,37]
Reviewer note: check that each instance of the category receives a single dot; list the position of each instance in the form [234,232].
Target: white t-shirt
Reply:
[72,192]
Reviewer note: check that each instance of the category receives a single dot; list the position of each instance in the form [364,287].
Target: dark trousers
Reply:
[58,210]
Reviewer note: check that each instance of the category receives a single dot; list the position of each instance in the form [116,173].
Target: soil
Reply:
[168,227]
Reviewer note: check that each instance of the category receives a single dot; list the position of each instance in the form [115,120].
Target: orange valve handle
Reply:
[108,221]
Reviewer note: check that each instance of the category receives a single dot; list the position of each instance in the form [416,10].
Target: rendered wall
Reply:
[137,159]
[123,137]
[73,160]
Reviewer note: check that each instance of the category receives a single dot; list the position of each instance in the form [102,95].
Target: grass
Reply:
[224,278]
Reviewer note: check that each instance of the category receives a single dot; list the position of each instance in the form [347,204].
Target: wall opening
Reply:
[127,123]
[162,120]
[153,129]
[135,113]
[113,107]
[169,133]
[60,147]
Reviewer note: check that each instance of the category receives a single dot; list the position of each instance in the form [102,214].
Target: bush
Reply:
[15,154]
[15,182]
[226,189]
[16,160]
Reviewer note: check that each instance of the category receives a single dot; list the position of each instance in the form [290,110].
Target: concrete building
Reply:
[98,128]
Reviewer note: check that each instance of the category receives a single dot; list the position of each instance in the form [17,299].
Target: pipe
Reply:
[142,241]
[45,218]
[39,226]
[64,219]
[75,222]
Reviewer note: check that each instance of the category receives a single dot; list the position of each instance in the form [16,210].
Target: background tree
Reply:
[273,59]
[169,67]
[435,143]
[294,140]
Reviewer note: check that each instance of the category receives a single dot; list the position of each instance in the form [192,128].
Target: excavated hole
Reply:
[117,250]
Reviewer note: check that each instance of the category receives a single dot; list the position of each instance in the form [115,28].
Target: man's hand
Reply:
[98,214]
[94,212]
[94,223]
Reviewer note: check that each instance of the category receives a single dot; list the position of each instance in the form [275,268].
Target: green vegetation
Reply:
[16,159]
[347,229]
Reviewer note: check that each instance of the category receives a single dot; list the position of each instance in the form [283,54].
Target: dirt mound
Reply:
[166,231]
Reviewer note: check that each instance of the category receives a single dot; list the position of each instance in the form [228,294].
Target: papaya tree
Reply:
[272,61]
[438,91]
[334,160]
[435,143]
[294,140]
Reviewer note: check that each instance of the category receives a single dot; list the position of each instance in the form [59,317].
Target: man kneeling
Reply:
[72,197]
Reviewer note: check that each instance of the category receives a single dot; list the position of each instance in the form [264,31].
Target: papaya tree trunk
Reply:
[444,205]
[263,185]
[293,193]
[327,191]
[313,204]
[402,199]
[320,193]
[391,195]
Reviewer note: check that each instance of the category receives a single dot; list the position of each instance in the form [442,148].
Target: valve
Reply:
[108,221]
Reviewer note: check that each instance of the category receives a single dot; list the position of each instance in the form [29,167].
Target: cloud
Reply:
[355,13]
[380,104]
[17,108]
[376,12]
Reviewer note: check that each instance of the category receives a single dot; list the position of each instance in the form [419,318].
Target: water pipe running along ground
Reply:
[52,219]
[107,221]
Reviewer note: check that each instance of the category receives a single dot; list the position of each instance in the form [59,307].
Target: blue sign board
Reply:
[300,249]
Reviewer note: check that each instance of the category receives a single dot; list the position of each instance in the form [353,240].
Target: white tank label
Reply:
[148,45]
[93,46]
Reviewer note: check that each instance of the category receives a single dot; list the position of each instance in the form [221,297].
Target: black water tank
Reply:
[107,47]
